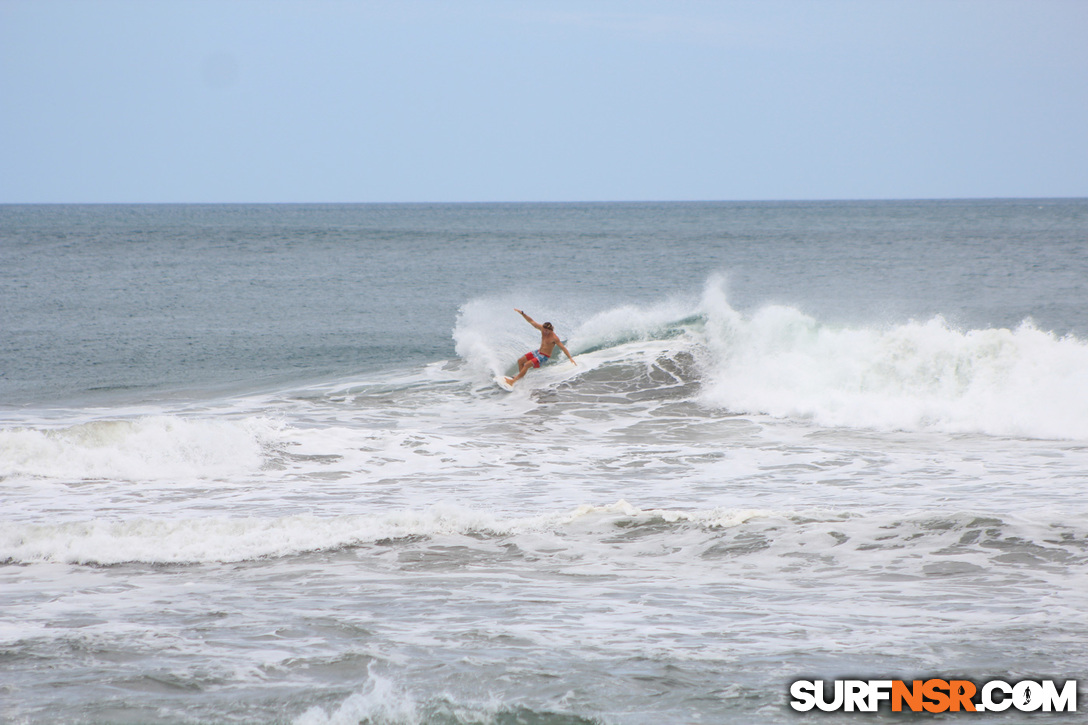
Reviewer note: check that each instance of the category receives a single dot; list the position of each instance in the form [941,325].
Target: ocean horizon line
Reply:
[594,202]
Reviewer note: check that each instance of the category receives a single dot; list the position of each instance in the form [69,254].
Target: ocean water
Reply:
[254,467]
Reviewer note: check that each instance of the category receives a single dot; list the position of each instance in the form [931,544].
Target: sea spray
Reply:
[611,328]
[479,341]
[489,336]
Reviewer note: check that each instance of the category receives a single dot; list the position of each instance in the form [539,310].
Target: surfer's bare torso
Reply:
[548,341]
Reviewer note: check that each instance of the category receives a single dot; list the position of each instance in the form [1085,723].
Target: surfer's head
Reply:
[548,326]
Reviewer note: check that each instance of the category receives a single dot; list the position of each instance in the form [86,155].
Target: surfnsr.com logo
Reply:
[934,695]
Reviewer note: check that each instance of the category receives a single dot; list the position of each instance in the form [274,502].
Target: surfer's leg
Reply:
[523,367]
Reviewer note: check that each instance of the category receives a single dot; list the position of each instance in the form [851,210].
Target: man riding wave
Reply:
[548,342]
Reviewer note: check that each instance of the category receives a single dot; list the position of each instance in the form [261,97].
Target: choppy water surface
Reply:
[254,468]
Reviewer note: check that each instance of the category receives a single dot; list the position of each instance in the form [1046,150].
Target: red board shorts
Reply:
[536,358]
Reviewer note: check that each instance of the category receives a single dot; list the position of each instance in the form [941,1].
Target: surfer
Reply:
[548,341]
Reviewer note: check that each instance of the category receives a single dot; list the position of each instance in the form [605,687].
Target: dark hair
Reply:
[548,326]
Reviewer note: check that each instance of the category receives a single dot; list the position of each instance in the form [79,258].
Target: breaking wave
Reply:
[161,447]
[779,361]
[915,545]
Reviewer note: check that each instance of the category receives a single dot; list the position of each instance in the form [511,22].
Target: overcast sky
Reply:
[320,101]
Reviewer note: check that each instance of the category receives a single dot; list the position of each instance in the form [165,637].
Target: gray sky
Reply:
[320,101]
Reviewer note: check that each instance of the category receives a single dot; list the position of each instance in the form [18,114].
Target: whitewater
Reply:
[730,491]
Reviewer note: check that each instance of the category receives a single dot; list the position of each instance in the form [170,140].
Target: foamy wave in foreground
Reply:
[380,701]
[199,540]
[383,701]
[608,535]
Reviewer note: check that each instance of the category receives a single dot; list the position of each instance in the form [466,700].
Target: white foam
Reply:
[384,701]
[380,701]
[219,539]
[148,448]
[910,376]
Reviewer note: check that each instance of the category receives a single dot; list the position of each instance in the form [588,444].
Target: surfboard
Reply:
[501,382]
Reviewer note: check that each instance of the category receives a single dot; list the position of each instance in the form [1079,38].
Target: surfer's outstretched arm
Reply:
[565,351]
[530,320]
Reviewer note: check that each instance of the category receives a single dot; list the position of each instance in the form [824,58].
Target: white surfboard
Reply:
[501,382]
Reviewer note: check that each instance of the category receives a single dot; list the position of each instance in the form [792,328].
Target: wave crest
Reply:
[913,376]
